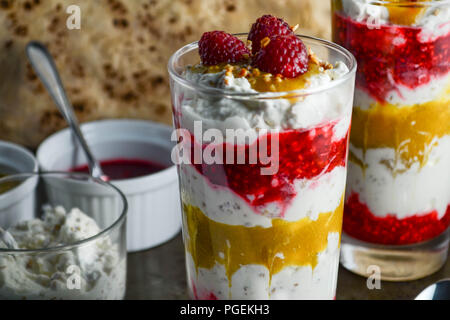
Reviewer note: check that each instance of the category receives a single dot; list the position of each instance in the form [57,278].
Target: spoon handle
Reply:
[45,68]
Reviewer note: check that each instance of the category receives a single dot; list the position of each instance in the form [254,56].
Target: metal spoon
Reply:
[437,291]
[8,239]
[43,65]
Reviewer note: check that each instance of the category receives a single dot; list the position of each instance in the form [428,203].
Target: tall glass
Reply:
[65,237]
[262,209]
[397,208]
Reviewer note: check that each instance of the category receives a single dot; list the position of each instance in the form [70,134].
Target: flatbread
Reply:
[115,65]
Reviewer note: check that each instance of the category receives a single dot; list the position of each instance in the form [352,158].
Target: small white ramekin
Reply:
[21,198]
[154,214]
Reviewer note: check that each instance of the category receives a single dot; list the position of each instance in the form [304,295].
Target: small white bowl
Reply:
[154,214]
[21,199]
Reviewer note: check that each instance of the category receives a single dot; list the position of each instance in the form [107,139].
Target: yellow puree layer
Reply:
[410,130]
[284,244]
[264,81]
[407,14]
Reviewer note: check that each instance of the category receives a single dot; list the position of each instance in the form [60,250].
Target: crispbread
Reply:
[115,66]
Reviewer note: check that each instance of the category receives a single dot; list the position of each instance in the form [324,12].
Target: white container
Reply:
[154,214]
[20,199]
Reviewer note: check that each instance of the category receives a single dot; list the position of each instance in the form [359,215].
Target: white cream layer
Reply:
[269,114]
[415,191]
[253,281]
[320,195]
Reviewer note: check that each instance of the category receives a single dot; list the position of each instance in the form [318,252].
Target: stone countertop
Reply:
[159,273]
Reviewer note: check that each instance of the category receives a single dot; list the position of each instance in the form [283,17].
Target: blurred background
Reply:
[115,65]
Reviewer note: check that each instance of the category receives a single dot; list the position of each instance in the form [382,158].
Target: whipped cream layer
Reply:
[96,267]
[414,191]
[270,114]
[220,204]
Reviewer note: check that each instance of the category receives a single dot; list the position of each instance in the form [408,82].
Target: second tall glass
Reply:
[397,209]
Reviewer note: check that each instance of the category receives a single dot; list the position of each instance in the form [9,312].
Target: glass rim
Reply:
[79,243]
[263,95]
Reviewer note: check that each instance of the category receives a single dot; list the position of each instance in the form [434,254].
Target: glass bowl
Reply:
[65,251]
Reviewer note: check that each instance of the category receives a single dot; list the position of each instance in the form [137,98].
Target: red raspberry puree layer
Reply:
[361,223]
[391,55]
[303,154]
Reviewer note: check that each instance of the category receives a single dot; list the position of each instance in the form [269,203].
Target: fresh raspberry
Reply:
[285,55]
[220,47]
[267,26]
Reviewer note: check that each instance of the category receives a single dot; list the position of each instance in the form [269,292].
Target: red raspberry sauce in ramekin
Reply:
[362,224]
[119,169]
[303,154]
[391,55]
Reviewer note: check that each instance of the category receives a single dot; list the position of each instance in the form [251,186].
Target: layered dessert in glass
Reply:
[262,124]
[398,191]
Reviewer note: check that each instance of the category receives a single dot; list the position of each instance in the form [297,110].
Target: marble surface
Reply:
[159,273]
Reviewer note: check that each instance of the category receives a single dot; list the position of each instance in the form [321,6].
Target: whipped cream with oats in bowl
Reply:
[65,253]
[397,200]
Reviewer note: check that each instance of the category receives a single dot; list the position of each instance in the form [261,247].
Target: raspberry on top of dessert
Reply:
[278,60]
